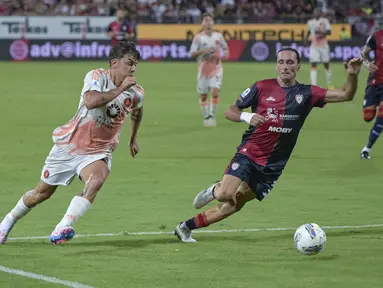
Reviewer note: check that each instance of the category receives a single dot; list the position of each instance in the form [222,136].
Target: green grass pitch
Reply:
[325,182]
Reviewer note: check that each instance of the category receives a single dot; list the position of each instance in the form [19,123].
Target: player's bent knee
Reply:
[222,194]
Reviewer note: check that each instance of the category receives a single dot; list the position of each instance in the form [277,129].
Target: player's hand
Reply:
[353,66]
[257,120]
[133,148]
[371,67]
[128,82]
[207,51]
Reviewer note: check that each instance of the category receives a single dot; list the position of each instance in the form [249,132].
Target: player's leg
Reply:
[29,200]
[314,60]
[203,90]
[328,75]
[369,112]
[215,86]
[204,105]
[233,192]
[214,101]
[93,175]
[325,57]
[375,133]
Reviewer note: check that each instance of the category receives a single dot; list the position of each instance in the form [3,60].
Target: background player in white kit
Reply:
[84,145]
[207,47]
[319,27]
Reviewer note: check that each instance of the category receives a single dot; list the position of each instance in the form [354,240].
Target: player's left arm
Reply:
[350,87]
[368,47]
[327,27]
[135,121]
[306,38]
[224,47]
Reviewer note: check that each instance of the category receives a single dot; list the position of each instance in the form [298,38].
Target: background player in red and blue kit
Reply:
[279,109]
[120,29]
[374,91]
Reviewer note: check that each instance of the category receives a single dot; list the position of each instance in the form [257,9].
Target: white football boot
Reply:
[184,234]
[204,197]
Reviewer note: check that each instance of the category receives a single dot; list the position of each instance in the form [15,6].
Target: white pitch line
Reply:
[43,278]
[196,231]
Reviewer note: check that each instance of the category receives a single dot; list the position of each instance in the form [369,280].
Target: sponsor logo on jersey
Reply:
[280,129]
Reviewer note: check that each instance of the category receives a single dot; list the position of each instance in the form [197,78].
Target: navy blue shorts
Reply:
[260,179]
[373,95]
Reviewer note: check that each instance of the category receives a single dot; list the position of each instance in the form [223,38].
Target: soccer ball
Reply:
[310,239]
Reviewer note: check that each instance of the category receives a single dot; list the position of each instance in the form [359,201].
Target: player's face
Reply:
[207,23]
[125,66]
[120,14]
[287,65]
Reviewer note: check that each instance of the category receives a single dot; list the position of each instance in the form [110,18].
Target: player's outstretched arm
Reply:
[350,87]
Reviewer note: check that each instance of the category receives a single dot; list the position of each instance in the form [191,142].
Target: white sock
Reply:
[204,108]
[16,213]
[183,225]
[313,76]
[77,208]
[20,209]
[329,76]
[366,149]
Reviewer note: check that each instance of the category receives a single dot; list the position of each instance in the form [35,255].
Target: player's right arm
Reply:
[368,47]
[93,94]
[306,38]
[247,98]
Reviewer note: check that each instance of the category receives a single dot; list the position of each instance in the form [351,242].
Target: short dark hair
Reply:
[288,48]
[123,48]
[207,14]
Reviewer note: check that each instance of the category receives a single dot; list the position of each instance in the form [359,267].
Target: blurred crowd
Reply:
[189,11]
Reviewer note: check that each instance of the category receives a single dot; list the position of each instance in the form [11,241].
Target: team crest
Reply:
[235,166]
[299,98]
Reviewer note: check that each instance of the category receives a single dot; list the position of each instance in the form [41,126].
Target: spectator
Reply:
[189,11]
